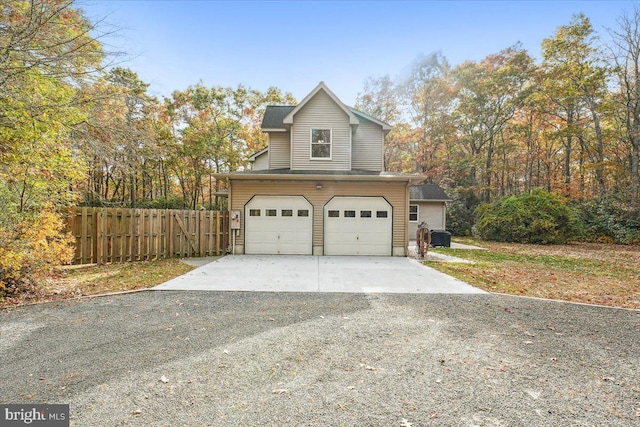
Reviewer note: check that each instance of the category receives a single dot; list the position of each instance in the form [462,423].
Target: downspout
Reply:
[229,208]
[406,219]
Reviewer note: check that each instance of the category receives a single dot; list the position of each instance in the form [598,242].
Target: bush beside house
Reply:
[539,217]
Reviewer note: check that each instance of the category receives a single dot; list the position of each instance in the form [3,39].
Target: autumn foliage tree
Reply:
[508,125]
[46,53]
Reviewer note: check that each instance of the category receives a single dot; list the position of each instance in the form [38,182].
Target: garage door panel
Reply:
[361,227]
[279,225]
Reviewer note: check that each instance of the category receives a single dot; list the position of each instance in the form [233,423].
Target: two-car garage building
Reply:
[320,187]
[307,214]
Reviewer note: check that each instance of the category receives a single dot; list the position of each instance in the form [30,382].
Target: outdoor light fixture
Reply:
[319,186]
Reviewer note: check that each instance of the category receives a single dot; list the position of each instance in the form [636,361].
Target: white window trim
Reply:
[311,144]
[417,213]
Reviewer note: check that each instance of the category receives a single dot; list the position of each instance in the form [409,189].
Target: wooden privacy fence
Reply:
[106,235]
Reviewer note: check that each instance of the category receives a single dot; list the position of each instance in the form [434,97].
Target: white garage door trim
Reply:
[278,225]
[358,225]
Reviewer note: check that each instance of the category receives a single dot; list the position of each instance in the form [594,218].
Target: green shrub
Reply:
[538,217]
[610,219]
[171,202]
[460,211]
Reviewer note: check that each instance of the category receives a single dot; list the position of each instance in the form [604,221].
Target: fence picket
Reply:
[105,235]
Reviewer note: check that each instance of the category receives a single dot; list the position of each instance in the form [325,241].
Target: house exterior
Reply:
[260,159]
[320,187]
[427,203]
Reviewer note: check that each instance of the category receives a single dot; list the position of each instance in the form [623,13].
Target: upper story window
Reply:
[321,144]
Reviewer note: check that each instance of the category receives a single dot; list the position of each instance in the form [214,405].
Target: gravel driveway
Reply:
[293,359]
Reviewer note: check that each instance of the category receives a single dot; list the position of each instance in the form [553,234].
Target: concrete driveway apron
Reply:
[299,273]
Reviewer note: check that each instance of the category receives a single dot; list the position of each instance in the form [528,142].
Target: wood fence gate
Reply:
[105,235]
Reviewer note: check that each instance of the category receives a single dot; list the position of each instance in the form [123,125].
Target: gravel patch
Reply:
[270,359]
[200,261]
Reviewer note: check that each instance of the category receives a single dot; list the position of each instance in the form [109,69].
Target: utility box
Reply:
[440,238]
[234,219]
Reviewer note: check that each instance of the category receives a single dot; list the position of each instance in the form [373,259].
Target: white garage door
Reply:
[357,226]
[278,225]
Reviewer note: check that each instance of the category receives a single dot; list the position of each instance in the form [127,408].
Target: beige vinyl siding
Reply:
[394,192]
[261,162]
[321,113]
[367,147]
[433,213]
[279,150]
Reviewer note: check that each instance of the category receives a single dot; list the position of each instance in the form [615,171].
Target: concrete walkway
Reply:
[299,273]
[440,257]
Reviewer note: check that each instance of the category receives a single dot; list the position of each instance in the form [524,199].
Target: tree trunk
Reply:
[599,150]
[568,145]
[488,166]
[634,169]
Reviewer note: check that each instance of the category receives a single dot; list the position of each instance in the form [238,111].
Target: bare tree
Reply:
[625,56]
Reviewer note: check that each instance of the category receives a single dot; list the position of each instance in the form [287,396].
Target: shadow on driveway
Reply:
[313,359]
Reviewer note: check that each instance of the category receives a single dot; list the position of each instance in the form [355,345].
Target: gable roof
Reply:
[385,126]
[254,156]
[427,192]
[288,119]
[273,116]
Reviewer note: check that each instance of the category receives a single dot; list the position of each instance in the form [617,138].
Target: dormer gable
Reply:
[288,119]
[386,127]
[322,133]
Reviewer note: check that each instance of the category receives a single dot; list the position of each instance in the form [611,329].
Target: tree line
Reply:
[144,152]
[78,128]
[508,124]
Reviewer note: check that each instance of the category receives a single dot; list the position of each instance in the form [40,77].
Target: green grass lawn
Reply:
[590,273]
[83,280]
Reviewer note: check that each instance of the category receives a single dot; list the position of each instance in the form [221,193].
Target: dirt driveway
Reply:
[292,359]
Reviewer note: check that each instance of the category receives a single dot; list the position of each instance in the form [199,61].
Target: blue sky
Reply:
[295,44]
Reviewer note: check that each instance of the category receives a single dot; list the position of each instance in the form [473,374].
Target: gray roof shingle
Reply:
[274,114]
[427,192]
